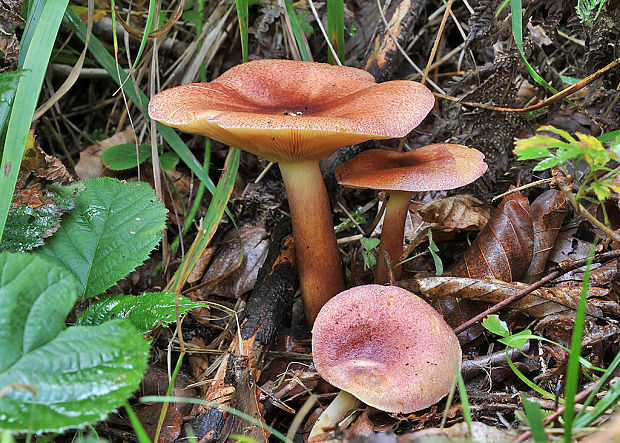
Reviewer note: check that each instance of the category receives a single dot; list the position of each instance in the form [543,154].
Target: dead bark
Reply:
[235,383]
[384,55]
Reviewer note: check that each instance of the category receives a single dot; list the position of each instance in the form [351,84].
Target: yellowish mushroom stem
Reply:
[320,271]
[334,414]
[392,235]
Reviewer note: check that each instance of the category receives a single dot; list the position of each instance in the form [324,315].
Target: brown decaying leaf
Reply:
[234,268]
[36,161]
[539,304]
[503,249]
[459,212]
[548,212]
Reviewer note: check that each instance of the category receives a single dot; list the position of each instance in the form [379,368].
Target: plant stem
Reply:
[320,271]
[392,234]
[566,190]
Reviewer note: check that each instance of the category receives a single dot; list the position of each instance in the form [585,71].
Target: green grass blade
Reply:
[464,400]
[26,97]
[579,422]
[148,27]
[143,437]
[106,60]
[517,32]
[297,31]
[242,15]
[572,373]
[196,401]
[36,8]
[162,413]
[609,400]
[214,212]
[335,29]
[527,381]
[535,420]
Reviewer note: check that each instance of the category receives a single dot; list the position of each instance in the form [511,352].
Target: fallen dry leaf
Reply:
[234,268]
[503,249]
[538,304]
[456,213]
[548,212]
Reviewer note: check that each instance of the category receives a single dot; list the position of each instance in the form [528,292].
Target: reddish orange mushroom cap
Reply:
[285,110]
[434,167]
[387,347]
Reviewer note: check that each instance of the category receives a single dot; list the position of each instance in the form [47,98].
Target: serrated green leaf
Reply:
[601,191]
[561,132]
[111,231]
[144,311]
[121,157]
[53,377]
[26,226]
[493,324]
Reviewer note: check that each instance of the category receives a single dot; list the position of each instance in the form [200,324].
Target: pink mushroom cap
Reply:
[430,168]
[387,347]
[285,110]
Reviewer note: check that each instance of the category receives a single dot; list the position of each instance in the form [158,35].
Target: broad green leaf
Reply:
[369,243]
[111,231]
[193,17]
[143,311]
[121,157]
[168,160]
[493,324]
[52,377]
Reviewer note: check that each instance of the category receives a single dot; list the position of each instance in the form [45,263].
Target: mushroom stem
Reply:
[392,234]
[334,414]
[320,271]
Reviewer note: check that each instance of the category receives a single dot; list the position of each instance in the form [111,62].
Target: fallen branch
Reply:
[562,268]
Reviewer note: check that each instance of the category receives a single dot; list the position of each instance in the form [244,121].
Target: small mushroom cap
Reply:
[387,347]
[430,168]
[285,110]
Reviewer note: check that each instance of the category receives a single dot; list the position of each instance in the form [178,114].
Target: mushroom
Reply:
[386,347]
[296,113]
[434,167]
